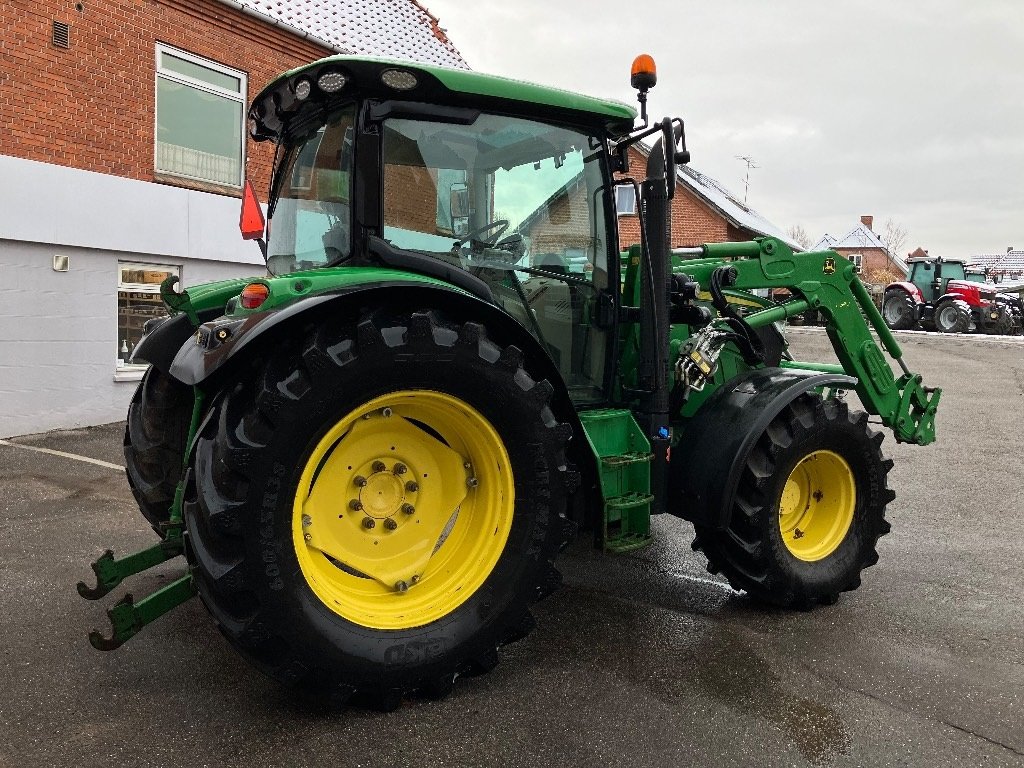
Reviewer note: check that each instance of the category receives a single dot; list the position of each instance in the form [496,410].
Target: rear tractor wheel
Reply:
[377,513]
[899,310]
[809,508]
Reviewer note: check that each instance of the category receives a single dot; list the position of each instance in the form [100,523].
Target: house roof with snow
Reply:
[738,214]
[1010,261]
[858,238]
[397,29]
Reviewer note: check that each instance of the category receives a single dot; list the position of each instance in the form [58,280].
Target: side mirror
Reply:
[251,222]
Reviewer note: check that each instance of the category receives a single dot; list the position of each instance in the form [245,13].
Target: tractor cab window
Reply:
[520,205]
[310,218]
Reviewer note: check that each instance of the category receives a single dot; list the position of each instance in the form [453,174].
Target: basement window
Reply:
[138,300]
[200,109]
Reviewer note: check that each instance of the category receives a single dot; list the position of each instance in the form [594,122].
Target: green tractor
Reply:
[371,458]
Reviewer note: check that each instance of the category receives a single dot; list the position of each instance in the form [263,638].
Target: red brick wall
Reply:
[92,106]
[694,222]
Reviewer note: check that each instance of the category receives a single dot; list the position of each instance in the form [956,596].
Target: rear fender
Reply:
[708,460]
[910,288]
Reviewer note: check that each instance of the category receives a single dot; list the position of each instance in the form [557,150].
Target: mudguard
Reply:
[910,288]
[706,463]
[163,337]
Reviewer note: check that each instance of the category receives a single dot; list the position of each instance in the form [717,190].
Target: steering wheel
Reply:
[474,237]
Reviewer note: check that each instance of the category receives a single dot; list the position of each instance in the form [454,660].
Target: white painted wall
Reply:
[58,330]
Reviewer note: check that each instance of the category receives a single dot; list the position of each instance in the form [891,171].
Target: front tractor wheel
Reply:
[376,514]
[952,316]
[809,509]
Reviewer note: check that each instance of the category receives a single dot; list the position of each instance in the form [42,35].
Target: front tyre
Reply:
[809,508]
[377,512]
[952,316]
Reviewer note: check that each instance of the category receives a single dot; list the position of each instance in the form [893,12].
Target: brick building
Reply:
[703,211]
[867,251]
[123,149]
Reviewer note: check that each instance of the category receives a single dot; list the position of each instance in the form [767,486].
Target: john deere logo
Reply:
[830,266]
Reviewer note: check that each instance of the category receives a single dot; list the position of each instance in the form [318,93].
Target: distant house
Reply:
[703,211]
[867,251]
[1001,266]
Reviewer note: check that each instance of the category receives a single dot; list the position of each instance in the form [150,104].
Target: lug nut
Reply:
[355,504]
[400,468]
[386,413]
[306,521]
[401,586]
[378,466]
[390,524]
[415,579]
[360,481]
[369,522]
[409,509]
[472,482]
[307,537]
[467,465]
[412,486]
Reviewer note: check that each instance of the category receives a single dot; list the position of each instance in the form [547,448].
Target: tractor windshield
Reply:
[311,218]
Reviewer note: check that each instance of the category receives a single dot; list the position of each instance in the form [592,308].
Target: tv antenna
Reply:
[746,181]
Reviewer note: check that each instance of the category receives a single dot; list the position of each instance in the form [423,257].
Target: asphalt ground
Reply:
[640,660]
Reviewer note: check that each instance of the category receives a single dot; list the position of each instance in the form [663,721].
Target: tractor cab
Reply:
[515,196]
[932,276]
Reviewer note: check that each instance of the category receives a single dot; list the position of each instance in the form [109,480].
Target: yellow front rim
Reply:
[403,509]
[817,505]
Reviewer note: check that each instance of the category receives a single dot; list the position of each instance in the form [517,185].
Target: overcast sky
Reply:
[910,111]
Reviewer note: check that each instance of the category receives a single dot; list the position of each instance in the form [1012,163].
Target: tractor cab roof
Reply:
[308,89]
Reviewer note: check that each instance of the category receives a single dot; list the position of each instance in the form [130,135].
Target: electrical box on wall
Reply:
[61,263]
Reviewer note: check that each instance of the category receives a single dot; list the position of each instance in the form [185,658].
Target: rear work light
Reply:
[253,295]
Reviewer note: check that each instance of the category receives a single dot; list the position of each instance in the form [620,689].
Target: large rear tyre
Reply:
[376,512]
[899,310]
[809,509]
[154,443]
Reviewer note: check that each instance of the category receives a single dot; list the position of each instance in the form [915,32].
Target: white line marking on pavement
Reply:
[699,580]
[75,456]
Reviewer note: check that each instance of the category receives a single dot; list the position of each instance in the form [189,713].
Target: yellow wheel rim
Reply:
[403,509]
[817,505]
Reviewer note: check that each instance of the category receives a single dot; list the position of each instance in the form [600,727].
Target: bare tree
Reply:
[799,236]
[894,235]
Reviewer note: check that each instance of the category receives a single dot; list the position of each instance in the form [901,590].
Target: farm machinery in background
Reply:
[945,295]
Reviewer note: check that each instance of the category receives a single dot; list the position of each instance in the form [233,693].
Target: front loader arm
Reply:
[826,281]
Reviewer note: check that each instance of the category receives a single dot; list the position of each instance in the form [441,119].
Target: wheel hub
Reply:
[383,495]
[817,505]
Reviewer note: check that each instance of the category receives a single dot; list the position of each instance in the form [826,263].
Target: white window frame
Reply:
[858,260]
[632,192]
[241,97]
[134,371]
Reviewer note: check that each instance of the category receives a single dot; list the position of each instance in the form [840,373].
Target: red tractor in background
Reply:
[942,295]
